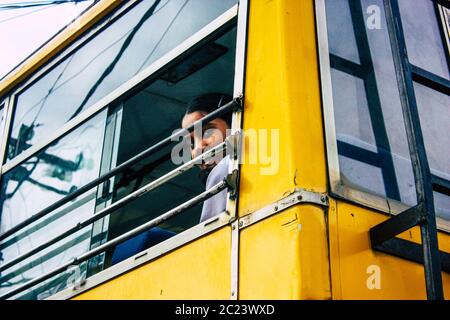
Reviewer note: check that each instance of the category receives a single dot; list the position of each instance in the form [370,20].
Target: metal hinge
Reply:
[298,196]
[232,181]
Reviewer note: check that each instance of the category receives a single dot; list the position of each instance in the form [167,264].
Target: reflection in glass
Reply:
[2,122]
[442,208]
[341,37]
[107,140]
[423,39]
[372,143]
[134,41]
[39,182]
[434,114]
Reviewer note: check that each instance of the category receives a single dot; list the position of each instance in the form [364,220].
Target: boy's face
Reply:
[213,134]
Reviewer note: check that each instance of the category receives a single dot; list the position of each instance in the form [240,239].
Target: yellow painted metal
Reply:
[58,43]
[285,256]
[199,270]
[282,93]
[353,262]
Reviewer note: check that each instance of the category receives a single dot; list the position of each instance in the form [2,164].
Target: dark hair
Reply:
[209,103]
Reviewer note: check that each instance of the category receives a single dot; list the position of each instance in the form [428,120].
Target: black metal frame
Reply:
[383,236]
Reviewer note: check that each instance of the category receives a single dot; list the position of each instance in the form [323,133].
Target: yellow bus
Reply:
[338,183]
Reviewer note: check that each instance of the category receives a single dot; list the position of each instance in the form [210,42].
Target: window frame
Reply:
[4,104]
[336,186]
[235,16]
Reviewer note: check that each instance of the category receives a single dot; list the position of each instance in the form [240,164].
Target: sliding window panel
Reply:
[422,36]
[36,184]
[370,131]
[434,114]
[340,30]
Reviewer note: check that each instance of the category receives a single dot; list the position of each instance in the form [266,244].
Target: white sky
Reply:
[22,35]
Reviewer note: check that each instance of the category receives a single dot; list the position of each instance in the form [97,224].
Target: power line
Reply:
[27,13]
[22,5]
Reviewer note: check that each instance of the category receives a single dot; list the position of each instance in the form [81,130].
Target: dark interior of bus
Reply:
[151,115]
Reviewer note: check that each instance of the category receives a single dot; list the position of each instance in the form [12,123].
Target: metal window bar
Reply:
[146,226]
[423,213]
[122,202]
[233,105]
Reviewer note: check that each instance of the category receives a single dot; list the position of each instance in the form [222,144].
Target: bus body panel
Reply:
[282,93]
[198,270]
[285,256]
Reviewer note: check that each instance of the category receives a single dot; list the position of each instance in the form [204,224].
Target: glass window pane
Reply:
[442,208]
[423,39]
[2,122]
[434,113]
[341,35]
[372,143]
[39,182]
[153,114]
[119,52]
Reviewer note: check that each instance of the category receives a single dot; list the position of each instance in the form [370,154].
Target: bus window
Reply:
[116,134]
[434,112]
[372,144]
[152,114]
[131,42]
[36,184]
[2,122]
[373,153]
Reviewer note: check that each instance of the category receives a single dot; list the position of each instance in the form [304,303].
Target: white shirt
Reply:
[217,203]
